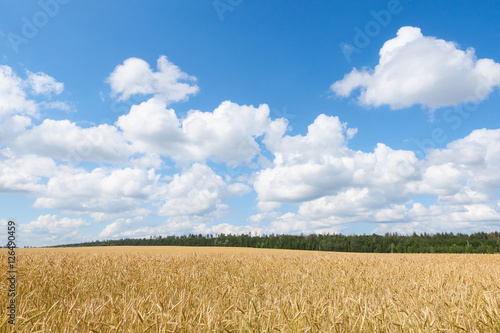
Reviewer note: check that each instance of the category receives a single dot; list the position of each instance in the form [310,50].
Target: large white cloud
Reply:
[476,157]
[54,224]
[464,218]
[464,178]
[65,141]
[191,200]
[417,69]
[198,191]
[24,174]
[135,77]
[334,185]
[106,194]
[99,191]
[13,98]
[17,106]
[320,164]
[122,225]
[16,109]
[59,139]
[227,134]
[51,229]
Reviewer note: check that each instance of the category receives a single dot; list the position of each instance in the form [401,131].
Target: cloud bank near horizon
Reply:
[188,170]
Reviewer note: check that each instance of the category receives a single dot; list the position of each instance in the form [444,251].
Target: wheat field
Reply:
[185,289]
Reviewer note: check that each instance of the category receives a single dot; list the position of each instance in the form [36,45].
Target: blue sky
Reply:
[128,119]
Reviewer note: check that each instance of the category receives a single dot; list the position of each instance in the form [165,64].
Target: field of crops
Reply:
[181,289]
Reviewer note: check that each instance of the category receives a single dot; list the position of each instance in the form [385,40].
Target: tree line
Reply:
[480,242]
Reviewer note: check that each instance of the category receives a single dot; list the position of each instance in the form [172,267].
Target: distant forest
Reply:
[480,242]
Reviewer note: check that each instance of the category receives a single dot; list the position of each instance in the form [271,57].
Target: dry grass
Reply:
[172,289]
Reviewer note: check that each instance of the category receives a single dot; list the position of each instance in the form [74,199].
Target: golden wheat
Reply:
[181,289]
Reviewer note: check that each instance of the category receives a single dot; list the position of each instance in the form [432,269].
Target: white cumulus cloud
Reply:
[44,84]
[121,225]
[13,98]
[65,141]
[53,230]
[99,191]
[416,69]
[334,185]
[227,134]
[320,164]
[54,224]
[199,191]
[24,174]
[135,77]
